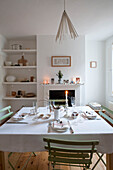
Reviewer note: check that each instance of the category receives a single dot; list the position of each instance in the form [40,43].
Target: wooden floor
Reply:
[40,162]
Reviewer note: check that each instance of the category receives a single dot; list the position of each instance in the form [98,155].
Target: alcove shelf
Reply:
[19,67]
[19,83]
[19,51]
[21,98]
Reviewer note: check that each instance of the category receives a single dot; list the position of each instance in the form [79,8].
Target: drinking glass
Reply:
[35,107]
[80,118]
[48,106]
[72,101]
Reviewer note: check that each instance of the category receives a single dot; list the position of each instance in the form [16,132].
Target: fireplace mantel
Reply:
[63,85]
[75,87]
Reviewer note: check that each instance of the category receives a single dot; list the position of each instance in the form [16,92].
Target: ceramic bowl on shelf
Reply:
[30,95]
[10,78]
[8,63]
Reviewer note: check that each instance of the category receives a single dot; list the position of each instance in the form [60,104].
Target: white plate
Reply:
[92,117]
[64,129]
[59,128]
[19,117]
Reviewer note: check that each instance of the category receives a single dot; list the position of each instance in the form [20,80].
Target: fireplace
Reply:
[58,96]
[62,87]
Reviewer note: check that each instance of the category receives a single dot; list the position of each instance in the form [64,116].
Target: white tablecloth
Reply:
[29,137]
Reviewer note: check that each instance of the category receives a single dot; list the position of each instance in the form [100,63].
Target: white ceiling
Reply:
[31,17]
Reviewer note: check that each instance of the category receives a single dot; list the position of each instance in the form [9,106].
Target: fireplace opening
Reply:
[59,97]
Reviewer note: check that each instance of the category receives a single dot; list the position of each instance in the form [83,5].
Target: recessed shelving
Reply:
[26,71]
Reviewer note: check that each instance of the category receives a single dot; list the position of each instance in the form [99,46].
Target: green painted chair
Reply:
[71,153]
[5,115]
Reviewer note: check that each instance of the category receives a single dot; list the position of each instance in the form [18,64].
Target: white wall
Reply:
[82,52]
[95,77]
[2,72]
[47,47]
[109,96]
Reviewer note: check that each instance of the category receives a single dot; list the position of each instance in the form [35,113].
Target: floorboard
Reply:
[40,162]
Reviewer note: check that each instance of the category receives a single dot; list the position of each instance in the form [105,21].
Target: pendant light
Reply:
[66,27]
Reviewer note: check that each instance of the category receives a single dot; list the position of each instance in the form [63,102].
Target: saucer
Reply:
[92,117]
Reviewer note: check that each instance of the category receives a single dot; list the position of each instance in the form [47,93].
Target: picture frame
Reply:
[93,64]
[61,61]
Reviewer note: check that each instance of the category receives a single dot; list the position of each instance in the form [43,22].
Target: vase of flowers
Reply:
[60,75]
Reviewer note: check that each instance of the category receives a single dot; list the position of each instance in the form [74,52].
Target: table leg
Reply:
[2,160]
[109,161]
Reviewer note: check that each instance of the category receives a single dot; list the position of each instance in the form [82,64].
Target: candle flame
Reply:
[44,82]
[66,92]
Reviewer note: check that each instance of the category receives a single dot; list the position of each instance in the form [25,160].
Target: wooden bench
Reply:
[106,114]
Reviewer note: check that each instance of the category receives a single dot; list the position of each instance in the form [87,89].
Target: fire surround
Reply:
[75,87]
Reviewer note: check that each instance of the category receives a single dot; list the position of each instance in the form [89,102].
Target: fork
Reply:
[71,130]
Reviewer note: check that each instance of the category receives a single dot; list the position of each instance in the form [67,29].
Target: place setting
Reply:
[60,126]
[24,117]
[18,119]
[89,115]
[61,122]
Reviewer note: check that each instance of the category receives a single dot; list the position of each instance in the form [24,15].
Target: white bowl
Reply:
[8,63]
[10,78]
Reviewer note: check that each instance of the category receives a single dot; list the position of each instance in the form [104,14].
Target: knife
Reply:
[17,122]
[49,127]
[71,130]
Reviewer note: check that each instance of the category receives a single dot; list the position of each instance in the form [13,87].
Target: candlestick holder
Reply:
[66,108]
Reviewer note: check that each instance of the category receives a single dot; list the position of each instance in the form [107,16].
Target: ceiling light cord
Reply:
[64,5]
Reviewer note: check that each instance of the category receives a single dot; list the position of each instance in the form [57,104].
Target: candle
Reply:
[66,92]
[74,80]
[44,82]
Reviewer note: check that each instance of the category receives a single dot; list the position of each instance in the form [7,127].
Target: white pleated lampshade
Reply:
[66,27]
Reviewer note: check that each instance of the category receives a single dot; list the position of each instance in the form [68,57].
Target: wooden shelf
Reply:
[22,98]
[20,83]
[20,67]
[19,51]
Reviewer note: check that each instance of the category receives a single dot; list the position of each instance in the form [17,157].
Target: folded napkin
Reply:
[89,116]
[19,117]
[60,126]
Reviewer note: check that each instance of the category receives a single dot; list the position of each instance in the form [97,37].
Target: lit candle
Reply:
[44,82]
[74,80]
[66,92]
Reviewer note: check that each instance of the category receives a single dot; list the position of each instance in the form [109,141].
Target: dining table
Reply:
[24,132]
